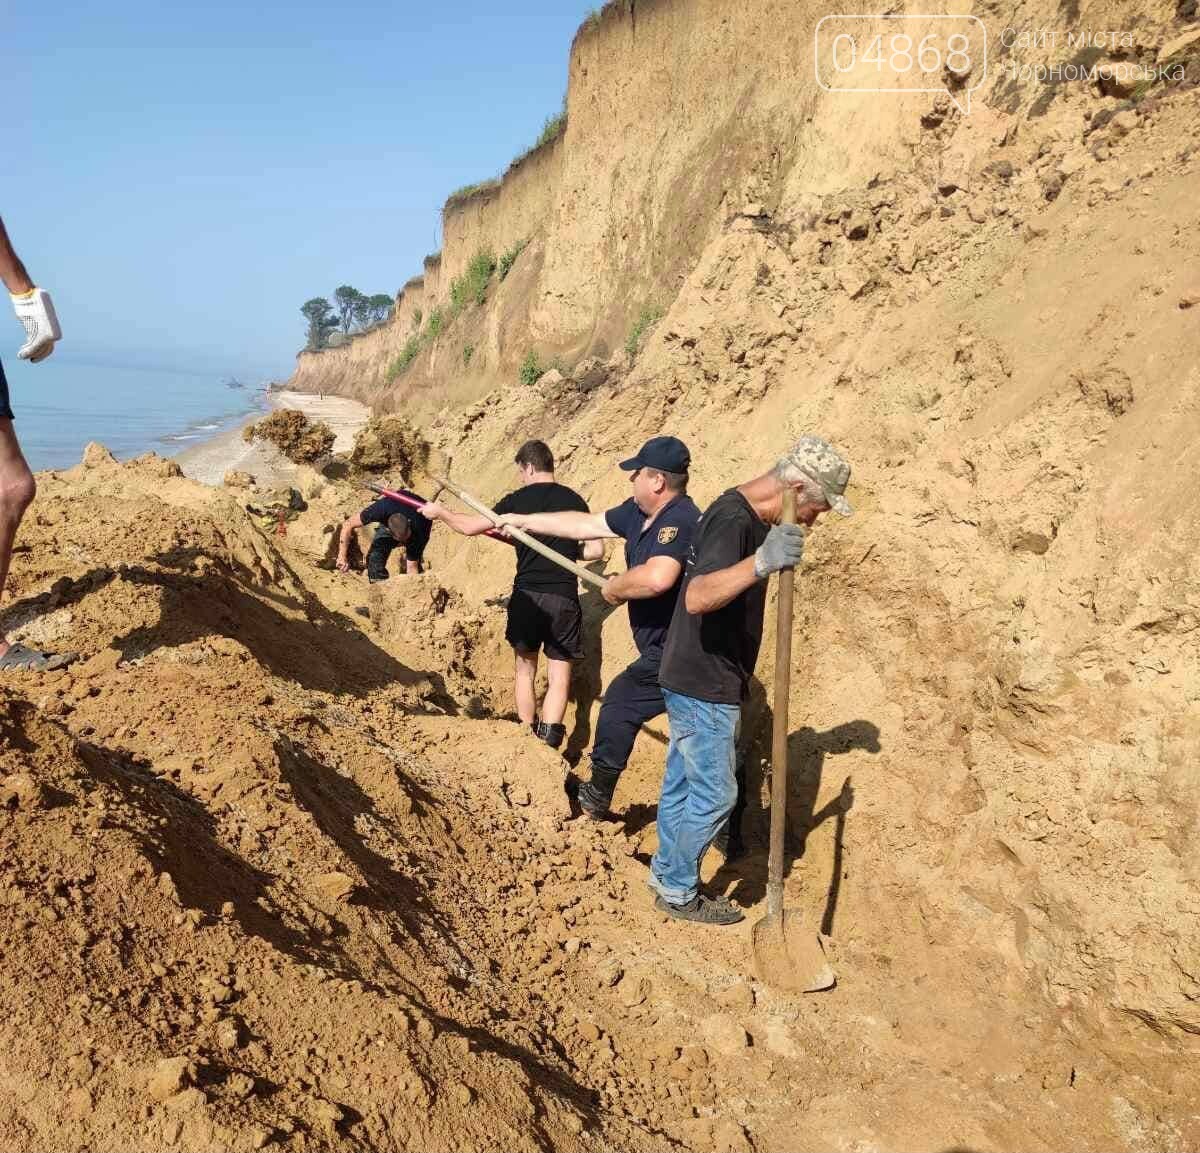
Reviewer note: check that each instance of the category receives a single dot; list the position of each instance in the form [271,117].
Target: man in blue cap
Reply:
[656,523]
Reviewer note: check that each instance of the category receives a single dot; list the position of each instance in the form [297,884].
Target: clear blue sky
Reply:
[182,176]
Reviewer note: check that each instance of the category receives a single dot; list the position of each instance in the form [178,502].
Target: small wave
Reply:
[181,436]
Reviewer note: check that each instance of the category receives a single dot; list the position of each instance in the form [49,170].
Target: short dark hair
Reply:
[399,526]
[675,481]
[536,454]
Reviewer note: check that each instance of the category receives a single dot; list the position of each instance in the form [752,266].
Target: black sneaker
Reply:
[593,802]
[705,910]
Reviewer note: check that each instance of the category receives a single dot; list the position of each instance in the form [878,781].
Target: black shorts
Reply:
[6,412]
[539,619]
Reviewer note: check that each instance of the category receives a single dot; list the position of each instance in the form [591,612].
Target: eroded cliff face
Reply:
[679,115]
[995,316]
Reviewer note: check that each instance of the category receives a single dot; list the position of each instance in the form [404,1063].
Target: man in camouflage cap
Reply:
[817,460]
[709,658]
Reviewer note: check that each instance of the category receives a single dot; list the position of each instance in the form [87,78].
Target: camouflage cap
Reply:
[820,461]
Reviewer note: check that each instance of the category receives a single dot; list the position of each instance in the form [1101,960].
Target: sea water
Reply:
[62,403]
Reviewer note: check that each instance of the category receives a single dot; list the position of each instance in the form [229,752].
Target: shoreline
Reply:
[209,460]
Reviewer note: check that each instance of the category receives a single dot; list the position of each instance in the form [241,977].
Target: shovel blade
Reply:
[790,956]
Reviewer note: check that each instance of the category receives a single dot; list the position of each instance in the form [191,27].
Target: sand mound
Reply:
[166,918]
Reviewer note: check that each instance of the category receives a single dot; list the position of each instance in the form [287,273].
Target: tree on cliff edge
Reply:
[347,298]
[381,307]
[370,310]
[362,311]
[321,321]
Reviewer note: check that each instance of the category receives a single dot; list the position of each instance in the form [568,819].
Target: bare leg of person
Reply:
[554,706]
[17,490]
[526,680]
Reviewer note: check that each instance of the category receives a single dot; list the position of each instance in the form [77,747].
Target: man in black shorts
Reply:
[17,488]
[543,610]
[399,524]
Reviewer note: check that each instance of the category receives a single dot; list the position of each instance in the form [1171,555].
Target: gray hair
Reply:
[791,475]
[818,470]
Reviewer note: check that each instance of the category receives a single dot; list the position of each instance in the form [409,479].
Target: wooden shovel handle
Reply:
[779,730]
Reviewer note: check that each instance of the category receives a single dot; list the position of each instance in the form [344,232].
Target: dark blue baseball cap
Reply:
[665,453]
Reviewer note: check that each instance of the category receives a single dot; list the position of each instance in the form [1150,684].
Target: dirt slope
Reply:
[196,872]
[274,876]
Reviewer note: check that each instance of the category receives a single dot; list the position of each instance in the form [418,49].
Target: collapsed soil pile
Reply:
[236,836]
[216,938]
[390,445]
[301,440]
[236,840]
[280,876]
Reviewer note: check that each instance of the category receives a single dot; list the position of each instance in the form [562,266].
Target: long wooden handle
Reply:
[779,731]
[524,537]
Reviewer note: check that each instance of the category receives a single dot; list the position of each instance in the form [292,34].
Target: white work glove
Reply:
[783,548]
[35,310]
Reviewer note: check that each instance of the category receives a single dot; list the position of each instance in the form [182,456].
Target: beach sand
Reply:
[210,461]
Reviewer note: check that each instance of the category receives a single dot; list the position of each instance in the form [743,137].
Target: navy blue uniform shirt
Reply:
[386,506]
[669,535]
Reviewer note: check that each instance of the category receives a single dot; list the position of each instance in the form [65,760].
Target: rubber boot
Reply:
[595,796]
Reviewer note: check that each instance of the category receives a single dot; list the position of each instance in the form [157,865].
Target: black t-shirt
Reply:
[534,571]
[669,535]
[385,507]
[711,656]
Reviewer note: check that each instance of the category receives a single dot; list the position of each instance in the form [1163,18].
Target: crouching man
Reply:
[709,658]
[399,525]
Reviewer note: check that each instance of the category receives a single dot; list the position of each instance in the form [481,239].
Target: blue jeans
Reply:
[699,791]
